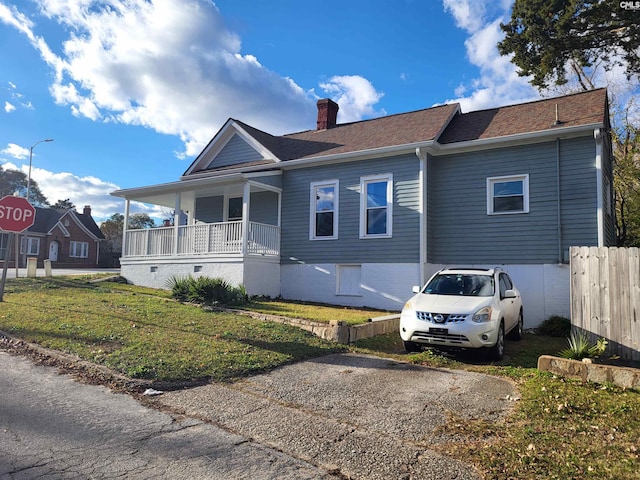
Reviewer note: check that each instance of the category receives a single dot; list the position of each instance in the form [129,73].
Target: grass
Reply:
[314,311]
[559,429]
[143,334]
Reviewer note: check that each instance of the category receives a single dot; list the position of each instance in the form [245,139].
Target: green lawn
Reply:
[560,429]
[144,334]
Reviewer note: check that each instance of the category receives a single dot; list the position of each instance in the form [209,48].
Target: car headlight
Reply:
[408,306]
[483,315]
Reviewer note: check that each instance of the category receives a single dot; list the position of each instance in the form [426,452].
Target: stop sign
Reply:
[16,214]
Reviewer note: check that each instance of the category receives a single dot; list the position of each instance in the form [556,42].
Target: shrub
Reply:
[581,347]
[207,290]
[179,287]
[555,326]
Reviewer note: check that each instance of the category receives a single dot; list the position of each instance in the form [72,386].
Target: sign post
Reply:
[16,215]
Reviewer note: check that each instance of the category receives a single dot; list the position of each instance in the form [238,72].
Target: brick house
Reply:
[66,237]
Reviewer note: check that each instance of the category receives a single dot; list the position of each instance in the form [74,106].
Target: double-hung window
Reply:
[508,195]
[324,210]
[79,249]
[32,244]
[376,206]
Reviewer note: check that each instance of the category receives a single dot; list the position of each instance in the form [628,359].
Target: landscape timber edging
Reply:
[625,377]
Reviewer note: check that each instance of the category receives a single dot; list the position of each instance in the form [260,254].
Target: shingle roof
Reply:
[579,109]
[46,219]
[393,130]
[442,124]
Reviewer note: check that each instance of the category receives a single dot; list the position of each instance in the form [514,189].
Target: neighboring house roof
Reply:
[580,109]
[47,219]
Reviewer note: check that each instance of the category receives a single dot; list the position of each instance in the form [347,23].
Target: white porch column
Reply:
[176,224]
[246,199]
[125,223]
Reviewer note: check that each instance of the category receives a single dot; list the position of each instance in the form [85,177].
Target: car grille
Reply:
[446,317]
[435,337]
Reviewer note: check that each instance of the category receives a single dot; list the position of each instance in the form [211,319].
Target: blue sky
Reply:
[132,90]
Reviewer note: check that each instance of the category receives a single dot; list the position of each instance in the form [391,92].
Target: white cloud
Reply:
[15,151]
[172,66]
[80,191]
[498,82]
[355,95]
[8,107]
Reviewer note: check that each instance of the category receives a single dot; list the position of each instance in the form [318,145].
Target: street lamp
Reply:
[24,258]
[30,159]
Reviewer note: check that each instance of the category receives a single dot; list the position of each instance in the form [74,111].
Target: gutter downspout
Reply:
[558,194]
[422,209]
[597,135]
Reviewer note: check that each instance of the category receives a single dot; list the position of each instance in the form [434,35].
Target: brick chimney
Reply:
[87,210]
[327,113]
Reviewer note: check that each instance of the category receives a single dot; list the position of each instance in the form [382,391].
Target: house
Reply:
[66,237]
[357,213]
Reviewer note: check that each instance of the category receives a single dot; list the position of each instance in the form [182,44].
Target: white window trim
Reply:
[388,177]
[312,208]
[524,178]
[84,249]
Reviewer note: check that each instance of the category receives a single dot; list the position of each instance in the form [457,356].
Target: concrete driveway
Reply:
[360,417]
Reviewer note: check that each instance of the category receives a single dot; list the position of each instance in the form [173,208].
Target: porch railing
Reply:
[203,239]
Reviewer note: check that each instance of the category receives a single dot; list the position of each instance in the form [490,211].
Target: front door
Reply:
[53,251]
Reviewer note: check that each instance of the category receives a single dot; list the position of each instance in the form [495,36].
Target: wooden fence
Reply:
[605,296]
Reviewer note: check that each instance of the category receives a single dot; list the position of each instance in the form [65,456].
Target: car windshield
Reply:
[464,284]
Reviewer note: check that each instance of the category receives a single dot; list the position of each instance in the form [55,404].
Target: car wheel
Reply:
[516,333]
[497,351]
[411,347]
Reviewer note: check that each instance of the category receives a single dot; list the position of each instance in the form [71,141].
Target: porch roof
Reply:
[164,193]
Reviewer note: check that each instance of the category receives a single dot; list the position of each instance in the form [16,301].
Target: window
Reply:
[79,249]
[234,209]
[33,246]
[376,201]
[323,224]
[508,195]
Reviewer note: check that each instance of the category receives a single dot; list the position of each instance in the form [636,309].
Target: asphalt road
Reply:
[52,427]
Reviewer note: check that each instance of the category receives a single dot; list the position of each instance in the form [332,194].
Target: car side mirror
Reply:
[510,294]
[415,289]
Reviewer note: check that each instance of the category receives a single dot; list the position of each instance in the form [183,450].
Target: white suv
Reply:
[463,308]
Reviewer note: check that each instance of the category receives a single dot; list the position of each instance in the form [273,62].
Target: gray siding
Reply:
[459,229]
[579,193]
[273,180]
[403,247]
[234,152]
[209,209]
[264,208]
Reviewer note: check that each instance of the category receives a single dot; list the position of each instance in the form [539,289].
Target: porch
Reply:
[222,239]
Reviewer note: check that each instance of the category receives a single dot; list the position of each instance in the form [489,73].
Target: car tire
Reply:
[516,333]
[496,352]
[412,347]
